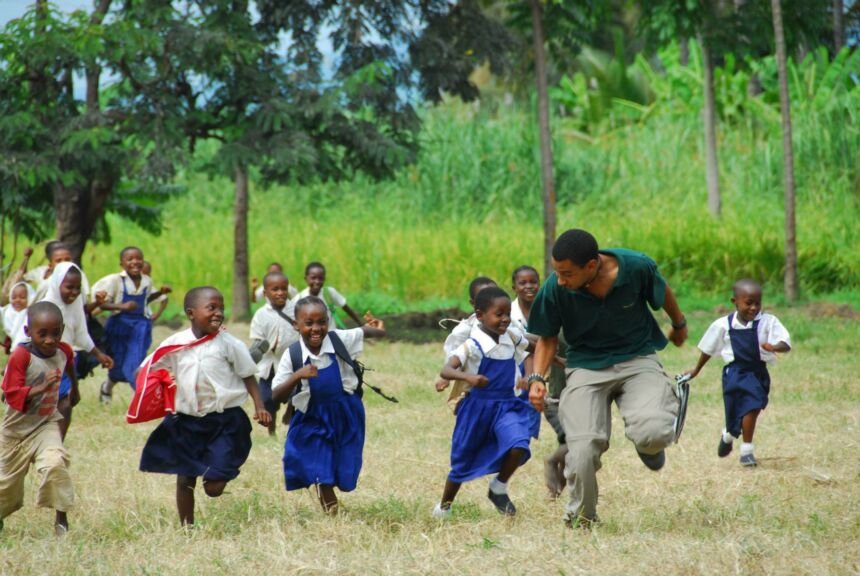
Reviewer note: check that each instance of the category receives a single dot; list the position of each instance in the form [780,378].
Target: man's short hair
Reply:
[576,245]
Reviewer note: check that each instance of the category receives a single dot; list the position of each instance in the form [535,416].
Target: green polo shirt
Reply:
[603,332]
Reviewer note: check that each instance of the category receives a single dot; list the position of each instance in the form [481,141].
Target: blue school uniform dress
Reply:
[491,420]
[128,336]
[325,441]
[210,434]
[746,381]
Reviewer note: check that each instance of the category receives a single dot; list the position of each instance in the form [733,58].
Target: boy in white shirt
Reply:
[272,332]
[315,278]
[747,340]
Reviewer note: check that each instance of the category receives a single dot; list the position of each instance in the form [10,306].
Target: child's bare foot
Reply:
[550,477]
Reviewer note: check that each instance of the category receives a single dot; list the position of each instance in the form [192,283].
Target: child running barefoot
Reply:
[209,435]
[272,332]
[30,432]
[65,290]
[525,283]
[315,278]
[257,289]
[326,437]
[491,434]
[748,340]
[128,331]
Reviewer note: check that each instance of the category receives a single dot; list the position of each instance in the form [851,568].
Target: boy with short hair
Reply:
[748,340]
[30,430]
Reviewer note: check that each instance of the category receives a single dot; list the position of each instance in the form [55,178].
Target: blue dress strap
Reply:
[481,350]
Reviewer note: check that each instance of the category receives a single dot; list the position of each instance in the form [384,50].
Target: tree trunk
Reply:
[709,115]
[77,210]
[546,162]
[241,300]
[838,25]
[790,280]
[684,46]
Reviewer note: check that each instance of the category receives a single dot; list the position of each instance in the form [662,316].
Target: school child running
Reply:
[14,299]
[491,434]
[65,290]
[161,300]
[525,282]
[315,279]
[257,288]
[458,337]
[30,431]
[128,331]
[326,437]
[55,252]
[748,340]
[272,332]
[209,435]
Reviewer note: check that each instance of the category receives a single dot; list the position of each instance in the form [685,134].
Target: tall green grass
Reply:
[471,205]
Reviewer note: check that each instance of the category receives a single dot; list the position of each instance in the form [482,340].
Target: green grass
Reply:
[796,514]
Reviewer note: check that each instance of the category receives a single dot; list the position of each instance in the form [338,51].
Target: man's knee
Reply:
[650,435]
[583,455]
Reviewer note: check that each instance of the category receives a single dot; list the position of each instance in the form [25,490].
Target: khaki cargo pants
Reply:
[43,448]
[646,398]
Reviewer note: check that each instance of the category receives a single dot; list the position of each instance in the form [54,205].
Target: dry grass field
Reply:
[797,513]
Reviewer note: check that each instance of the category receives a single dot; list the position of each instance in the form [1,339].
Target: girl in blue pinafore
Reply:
[747,340]
[325,440]
[491,434]
[128,332]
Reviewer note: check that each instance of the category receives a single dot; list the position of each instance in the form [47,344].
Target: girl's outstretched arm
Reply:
[261,415]
[352,314]
[374,327]
[282,393]
[703,359]
[451,371]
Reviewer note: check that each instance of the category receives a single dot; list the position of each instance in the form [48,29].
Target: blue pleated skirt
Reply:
[213,446]
[487,428]
[127,339]
[744,390]
[325,444]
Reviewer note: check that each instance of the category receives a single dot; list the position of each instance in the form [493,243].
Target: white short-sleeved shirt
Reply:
[717,340]
[208,376]
[330,296]
[511,344]
[268,325]
[113,284]
[518,319]
[459,334]
[353,341]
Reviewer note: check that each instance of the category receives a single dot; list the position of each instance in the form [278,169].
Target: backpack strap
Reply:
[357,367]
[283,316]
[295,352]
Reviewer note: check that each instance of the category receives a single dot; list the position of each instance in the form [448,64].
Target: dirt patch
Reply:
[421,327]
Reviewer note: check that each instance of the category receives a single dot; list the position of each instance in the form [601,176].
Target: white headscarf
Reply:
[74,317]
[14,319]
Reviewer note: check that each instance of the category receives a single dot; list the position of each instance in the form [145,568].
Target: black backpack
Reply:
[295,352]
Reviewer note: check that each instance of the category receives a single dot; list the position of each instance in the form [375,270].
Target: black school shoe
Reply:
[502,503]
[653,461]
[725,448]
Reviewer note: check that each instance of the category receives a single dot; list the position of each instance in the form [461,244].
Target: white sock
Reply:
[497,486]
[727,438]
[746,448]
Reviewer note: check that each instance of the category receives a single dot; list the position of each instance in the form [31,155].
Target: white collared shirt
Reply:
[334,298]
[518,319]
[268,325]
[717,340]
[112,285]
[511,344]
[209,376]
[459,334]
[353,341]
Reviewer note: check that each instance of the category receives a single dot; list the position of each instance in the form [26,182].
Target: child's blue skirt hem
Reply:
[325,444]
[213,446]
[485,431]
